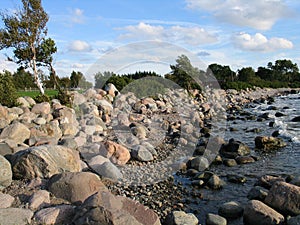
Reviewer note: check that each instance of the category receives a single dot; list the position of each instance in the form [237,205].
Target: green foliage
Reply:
[42,98]
[8,96]
[23,79]
[64,98]
[33,94]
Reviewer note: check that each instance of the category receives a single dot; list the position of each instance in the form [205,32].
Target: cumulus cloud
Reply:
[188,35]
[79,46]
[259,42]
[258,14]
[77,16]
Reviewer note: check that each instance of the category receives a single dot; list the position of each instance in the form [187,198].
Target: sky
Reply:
[123,36]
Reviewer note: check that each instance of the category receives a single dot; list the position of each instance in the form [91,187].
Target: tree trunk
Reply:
[35,73]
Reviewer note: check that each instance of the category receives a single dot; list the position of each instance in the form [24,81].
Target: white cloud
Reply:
[77,16]
[258,14]
[260,43]
[79,46]
[187,35]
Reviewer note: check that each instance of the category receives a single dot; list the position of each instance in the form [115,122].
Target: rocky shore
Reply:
[114,158]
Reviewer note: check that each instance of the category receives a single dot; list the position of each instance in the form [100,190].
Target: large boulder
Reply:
[6,201]
[117,153]
[212,219]
[13,216]
[67,120]
[5,173]
[268,143]
[285,198]
[231,210]
[107,170]
[106,208]
[16,132]
[180,218]
[199,163]
[234,149]
[75,187]
[61,214]
[141,153]
[44,161]
[41,108]
[259,213]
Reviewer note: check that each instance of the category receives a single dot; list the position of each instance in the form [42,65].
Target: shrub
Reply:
[8,92]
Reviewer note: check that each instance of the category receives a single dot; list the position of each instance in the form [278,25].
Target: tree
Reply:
[246,74]
[285,70]
[25,31]
[75,79]
[8,91]
[23,79]
[65,82]
[265,73]
[222,73]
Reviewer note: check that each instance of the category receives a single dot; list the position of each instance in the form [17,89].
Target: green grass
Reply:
[32,94]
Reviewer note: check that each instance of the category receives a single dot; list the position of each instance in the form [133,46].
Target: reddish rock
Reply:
[115,152]
[61,214]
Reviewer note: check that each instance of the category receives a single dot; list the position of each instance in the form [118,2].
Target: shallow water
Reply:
[282,162]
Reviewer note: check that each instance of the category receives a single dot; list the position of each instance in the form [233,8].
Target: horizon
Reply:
[238,34]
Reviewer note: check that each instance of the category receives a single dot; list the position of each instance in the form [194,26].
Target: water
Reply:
[283,162]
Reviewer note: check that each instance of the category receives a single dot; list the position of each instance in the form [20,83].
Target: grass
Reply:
[32,94]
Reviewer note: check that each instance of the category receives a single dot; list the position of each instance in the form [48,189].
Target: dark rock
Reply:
[267,181]
[213,219]
[215,182]
[229,162]
[234,149]
[237,179]
[293,220]
[268,143]
[244,159]
[279,114]
[231,210]
[257,193]
[198,163]
[276,133]
[296,119]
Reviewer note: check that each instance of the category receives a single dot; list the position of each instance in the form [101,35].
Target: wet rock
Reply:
[259,213]
[41,108]
[285,198]
[244,159]
[115,152]
[215,182]
[296,181]
[5,173]
[180,218]
[296,119]
[106,208]
[141,153]
[16,132]
[279,114]
[257,193]
[234,149]
[213,219]
[13,216]
[44,161]
[231,210]
[267,181]
[229,162]
[75,187]
[6,201]
[293,220]
[237,179]
[61,214]
[198,163]
[268,143]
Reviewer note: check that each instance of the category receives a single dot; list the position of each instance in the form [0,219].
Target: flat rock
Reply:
[181,218]
[213,219]
[16,132]
[75,187]
[141,153]
[61,214]
[44,161]
[106,208]
[6,200]
[41,108]
[231,210]
[5,173]
[39,199]
[258,213]
[13,216]
[108,170]
[285,198]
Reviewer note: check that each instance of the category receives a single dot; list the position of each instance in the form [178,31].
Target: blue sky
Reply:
[237,33]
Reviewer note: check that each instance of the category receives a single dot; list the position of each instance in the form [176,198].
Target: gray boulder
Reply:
[16,132]
[107,170]
[180,218]
[212,219]
[13,216]
[44,161]
[231,210]
[5,173]
[141,153]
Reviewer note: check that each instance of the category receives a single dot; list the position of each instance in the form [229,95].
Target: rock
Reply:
[199,163]
[39,199]
[257,193]
[138,130]
[30,100]
[5,149]
[234,149]
[78,99]
[15,216]
[259,213]
[268,143]
[16,132]
[213,219]
[97,161]
[231,210]
[141,153]
[5,173]
[67,120]
[279,114]
[244,159]
[106,208]
[235,178]
[267,181]
[61,214]
[69,143]
[111,89]
[6,201]
[181,218]
[41,108]
[296,181]
[22,101]
[293,220]
[229,162]
[44,161]
[296,119]
[117,153]
[75,187]
[215,182]
[108,170]
[285,198]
